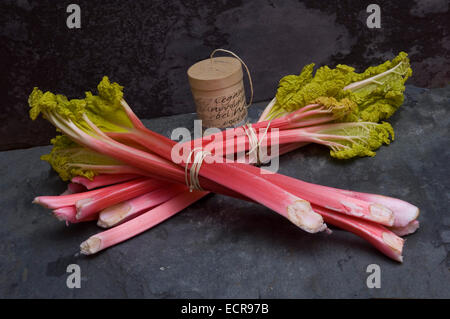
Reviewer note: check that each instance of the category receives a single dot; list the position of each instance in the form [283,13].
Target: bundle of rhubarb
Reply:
[130,179]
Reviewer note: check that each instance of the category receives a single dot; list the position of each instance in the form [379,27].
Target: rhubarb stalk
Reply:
[139,224]
[129,209]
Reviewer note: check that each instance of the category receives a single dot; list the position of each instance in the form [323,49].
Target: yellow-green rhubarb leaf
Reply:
[354,139]
[69,159]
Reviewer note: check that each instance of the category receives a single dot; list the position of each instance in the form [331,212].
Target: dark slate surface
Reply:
[226,248]
[148,46]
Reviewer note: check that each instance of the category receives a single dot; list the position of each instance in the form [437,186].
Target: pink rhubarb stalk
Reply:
[301,118]
[68,214]
[380,237]
[106,198]
[330,198]
[103,180]
[139,224]
[371,210]
[129,209]
[316,134]
[73,188]
[295,209]
[404,212]
[54,202]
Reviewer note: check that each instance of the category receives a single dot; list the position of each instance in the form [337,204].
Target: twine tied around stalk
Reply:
[253,141]
[191,178]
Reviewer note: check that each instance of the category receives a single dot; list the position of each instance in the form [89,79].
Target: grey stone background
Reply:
[147,46]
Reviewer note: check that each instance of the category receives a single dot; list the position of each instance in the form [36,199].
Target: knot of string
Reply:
[253,141]
[191,177]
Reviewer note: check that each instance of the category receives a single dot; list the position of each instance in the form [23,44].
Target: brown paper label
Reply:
[223,110]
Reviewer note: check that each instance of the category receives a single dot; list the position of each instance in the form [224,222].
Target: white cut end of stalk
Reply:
[395,243]
[382,214]
[111,216]
[410,214]
[416,212]
[352,208]
[404,212]
[90,246]
[37,201]
[79,206]
[80,203]
[407,230]
[300,213]
[60,217]
[102,224]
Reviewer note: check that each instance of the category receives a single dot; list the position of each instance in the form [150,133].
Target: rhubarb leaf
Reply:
[348,140]
[343,110]
[378,91]
[104,110]
[295,92]
[48,102]
[67,158]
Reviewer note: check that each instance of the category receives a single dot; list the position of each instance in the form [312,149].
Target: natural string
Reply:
[192,182]
[246,68]
[253,141]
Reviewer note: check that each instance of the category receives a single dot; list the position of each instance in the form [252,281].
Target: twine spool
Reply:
[217,87]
